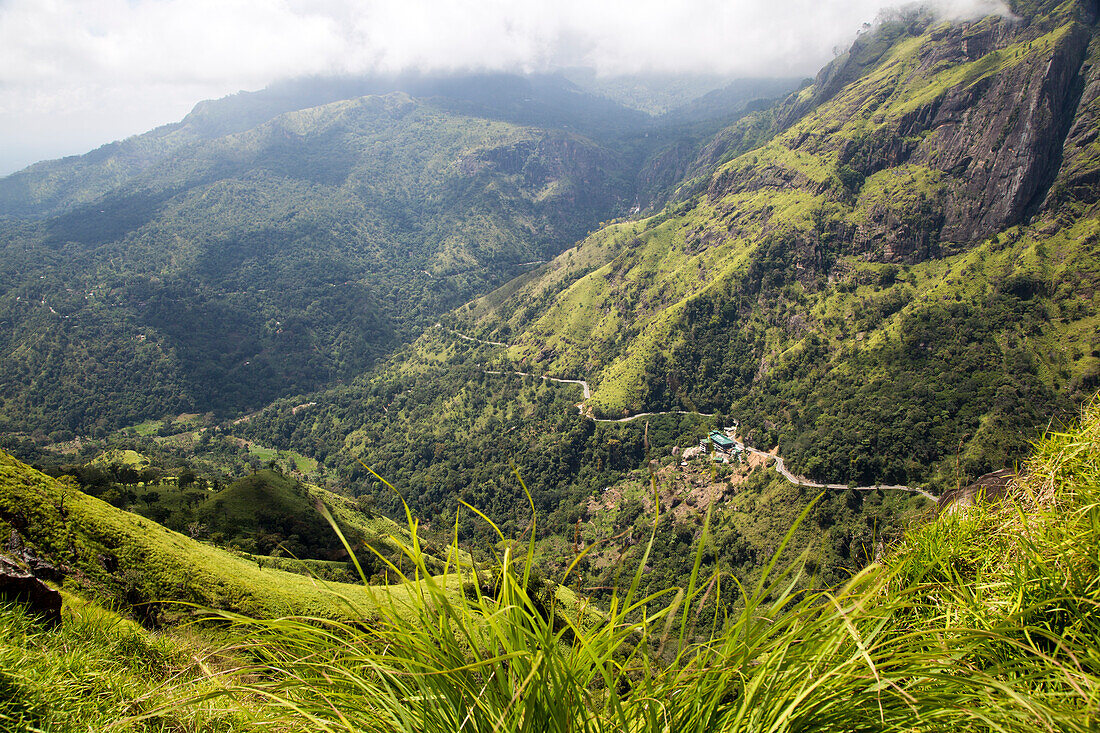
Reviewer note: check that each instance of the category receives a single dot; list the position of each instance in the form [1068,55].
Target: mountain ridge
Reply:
[239,262]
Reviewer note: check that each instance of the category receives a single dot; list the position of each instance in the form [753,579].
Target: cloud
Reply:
[130,64]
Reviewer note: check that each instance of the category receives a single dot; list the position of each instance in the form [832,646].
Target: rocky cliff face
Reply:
[968,119]
[994,141]
[1078,179]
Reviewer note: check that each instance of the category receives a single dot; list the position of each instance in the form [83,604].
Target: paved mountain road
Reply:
[581,382]
[780,465]
[781,468]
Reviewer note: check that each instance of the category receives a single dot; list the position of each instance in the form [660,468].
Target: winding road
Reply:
[581,382]
[650,414]
[780,466]
[477,341]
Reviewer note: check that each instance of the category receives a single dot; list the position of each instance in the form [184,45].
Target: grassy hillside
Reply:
[268,509]
[981,619]
[835,288]
[136,563]
[100,668]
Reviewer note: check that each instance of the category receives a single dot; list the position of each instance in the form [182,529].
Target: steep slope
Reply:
[906,268]
[796,289]
[135,563]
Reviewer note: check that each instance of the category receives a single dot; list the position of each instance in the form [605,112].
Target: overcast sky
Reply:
[75,74]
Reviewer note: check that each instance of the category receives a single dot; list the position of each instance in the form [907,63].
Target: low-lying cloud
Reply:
[77,72]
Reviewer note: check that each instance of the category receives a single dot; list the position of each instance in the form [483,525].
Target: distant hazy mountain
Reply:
[659,94]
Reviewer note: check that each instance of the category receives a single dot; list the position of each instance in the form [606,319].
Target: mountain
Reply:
[686,96]
[51,187]
[890,277]
[279,241]
[871,291]
[906,267]
[209,267]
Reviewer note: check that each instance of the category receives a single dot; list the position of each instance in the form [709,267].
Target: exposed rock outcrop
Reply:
[1079,177]
[990,487]
[20,585]
[928,137]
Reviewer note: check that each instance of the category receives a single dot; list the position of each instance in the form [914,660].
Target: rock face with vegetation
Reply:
[19,585]
[971,116]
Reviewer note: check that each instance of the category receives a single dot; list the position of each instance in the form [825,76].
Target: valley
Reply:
[518,401]
[804,278]
[754,297]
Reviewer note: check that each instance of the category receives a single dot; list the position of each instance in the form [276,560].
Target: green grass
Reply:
[985,620]
[98,671]
[264,454]
[327,570]
[300,463]
[138,564]
[149,427]
[119,457]
[1032,561]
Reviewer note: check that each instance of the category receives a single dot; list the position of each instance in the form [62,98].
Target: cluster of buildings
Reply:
[724,447]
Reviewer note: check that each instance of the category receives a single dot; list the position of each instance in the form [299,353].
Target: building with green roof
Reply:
[723,442]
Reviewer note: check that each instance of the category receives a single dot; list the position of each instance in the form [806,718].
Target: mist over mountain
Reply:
[78,73]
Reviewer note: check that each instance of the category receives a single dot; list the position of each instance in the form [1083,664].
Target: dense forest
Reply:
[265,246]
